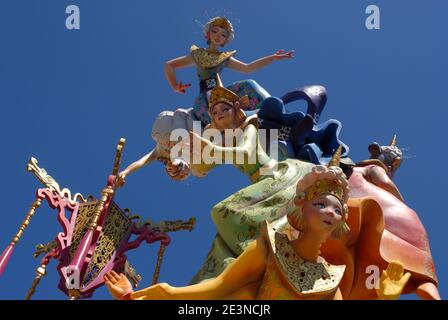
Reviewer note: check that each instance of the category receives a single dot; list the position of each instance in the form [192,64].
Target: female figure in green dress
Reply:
[239,217]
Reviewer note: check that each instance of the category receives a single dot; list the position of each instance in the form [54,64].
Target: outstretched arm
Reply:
[146,159]
[170,72]
[379,177]
[243,151]
[247,268]
[240,66]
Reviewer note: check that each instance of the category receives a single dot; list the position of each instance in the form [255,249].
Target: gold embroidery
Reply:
[115,229]
[306,278]
[208,60]
[83,219]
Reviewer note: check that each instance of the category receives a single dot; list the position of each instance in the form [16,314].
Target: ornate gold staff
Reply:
[4,258]
[50,184]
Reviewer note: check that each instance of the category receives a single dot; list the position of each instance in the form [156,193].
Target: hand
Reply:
[281,54]
[180,87]
[118,285]
[392,281]
[177,169]
[121,179]
[160,291]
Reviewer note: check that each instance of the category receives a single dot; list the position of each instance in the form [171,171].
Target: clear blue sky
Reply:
[68,96]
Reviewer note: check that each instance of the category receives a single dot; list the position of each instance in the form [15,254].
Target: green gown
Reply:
[239,217]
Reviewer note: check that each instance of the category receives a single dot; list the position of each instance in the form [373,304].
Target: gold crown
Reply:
[331,187]
[221,94]
[324,187]
[223,23]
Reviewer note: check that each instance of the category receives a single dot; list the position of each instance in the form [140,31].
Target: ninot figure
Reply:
[277,267]
[211,61]
[400,234]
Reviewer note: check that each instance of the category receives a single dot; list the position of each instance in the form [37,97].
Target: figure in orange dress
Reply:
[383,229]
[277,267]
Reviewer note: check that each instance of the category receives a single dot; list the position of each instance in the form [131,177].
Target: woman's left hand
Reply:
[282,54]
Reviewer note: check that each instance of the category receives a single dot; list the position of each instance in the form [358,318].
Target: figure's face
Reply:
[218,36]
[223,115]
[322,214]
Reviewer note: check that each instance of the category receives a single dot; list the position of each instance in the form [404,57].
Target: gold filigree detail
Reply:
[116,227]
[50,183]
[84,218]
[306,278]
[208,60]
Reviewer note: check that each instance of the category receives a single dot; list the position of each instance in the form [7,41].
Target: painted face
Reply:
[223,115]
[322,214]
[218,36]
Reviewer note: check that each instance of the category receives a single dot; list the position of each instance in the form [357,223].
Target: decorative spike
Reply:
[335,160]
[393,143]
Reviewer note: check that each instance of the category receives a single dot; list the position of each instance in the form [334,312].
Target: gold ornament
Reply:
[336,159]
[221,94]
[393,143]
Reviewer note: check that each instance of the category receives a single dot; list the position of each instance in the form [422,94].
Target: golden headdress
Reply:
[221,94]
[222,22]
[329,180]
[323,180]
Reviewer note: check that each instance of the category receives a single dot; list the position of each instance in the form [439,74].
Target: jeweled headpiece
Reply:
[332,182]
[221,94]
[223,23]
[325,180]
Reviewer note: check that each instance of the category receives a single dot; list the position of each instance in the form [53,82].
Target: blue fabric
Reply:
[305,141]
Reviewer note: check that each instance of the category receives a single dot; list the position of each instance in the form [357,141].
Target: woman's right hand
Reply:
[177,169]
[180,87]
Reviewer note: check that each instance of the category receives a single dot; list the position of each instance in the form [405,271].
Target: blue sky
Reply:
[67,96]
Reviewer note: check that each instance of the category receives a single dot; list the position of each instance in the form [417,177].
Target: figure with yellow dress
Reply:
[276,267]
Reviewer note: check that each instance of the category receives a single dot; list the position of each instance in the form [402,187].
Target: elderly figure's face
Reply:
[391,156]
[223,115]
[218,36]
[322,215]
